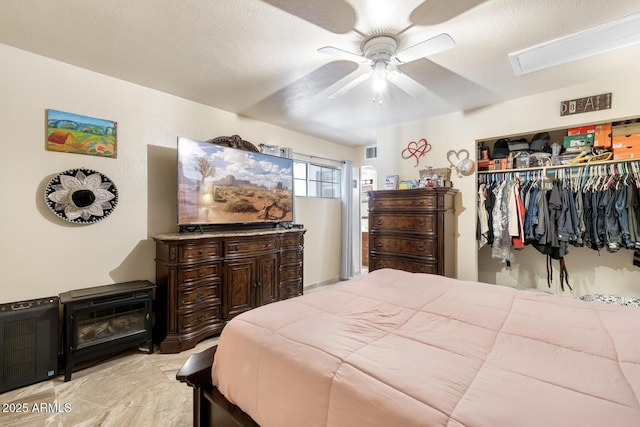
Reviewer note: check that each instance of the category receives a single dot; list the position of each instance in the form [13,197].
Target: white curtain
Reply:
[351,260]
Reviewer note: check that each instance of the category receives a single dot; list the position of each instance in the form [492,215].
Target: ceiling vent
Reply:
[371,153]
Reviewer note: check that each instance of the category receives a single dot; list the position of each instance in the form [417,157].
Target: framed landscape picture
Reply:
[74,133]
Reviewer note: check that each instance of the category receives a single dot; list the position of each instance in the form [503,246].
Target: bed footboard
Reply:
[210,407]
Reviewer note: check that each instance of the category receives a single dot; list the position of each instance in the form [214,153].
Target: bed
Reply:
[410,349]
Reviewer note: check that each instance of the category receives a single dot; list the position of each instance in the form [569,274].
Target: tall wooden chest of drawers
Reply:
[205,279]
[413,230]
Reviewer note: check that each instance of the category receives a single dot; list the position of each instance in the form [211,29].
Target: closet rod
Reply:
[555,167]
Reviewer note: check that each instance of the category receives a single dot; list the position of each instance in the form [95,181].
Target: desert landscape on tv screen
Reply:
[223,185]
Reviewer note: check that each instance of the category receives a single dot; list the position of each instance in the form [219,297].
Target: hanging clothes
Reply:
[599,207]
[501,248]
[483,217]
[489,204]
[633,211]
[517,234]
[580,226]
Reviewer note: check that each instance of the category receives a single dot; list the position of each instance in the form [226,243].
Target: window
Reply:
[300,179]
[312,180]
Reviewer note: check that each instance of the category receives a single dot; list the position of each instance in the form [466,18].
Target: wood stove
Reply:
[105,320]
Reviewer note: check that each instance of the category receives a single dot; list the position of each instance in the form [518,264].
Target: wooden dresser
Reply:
[205,279]
[413,230]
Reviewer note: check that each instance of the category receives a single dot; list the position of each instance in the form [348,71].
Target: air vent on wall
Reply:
[371,152]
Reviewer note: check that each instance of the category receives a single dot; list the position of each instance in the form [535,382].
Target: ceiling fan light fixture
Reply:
[379,48]
[583,44]
[379,82]
[379,78]
[380,51]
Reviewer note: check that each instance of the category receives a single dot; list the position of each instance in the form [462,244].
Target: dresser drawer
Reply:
[195,252]
[199,272]
[291,257]
[233,247]
[378,262]
[405,245]
[208,293]
[290,291]
[428,201]
[290,273]
[412,223]
[291,240]
[200,318]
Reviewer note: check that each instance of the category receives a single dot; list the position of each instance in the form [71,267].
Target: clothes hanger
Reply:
[611,175]
[593,177]
[604,182]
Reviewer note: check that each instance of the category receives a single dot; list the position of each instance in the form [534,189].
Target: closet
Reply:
[593,207]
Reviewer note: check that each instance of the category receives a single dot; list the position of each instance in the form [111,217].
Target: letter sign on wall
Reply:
[586,104]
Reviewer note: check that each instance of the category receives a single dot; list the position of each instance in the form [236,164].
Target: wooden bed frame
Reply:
[210,407]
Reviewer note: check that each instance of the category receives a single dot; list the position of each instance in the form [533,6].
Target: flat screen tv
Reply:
[221,185]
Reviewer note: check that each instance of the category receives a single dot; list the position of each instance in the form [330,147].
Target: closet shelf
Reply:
[556,167]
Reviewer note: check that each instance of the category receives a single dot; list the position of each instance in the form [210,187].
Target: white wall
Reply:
[42,255]
[591,273]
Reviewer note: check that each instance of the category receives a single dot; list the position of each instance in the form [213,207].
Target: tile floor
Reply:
[131,389]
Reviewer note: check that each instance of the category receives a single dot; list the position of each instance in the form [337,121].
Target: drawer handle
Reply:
[289,258]
[379,222]
[421,247]
[422,222]
[237,248]
[200,295]
[201,251]
[200,273]
[379,244]
[201,317]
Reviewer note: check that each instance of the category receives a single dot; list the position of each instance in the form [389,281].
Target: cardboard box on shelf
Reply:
[576,150]
[626,147]
[626,141]
[626,153]
[602,138]
[581,130]
[627,129]
[584,140]
[484,165]
[565,159]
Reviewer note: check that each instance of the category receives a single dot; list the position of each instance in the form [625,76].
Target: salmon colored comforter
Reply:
[393,348]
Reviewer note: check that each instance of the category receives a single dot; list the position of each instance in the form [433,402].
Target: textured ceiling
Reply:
[259,58]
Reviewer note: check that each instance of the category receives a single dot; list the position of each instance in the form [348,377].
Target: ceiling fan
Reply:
[380,52]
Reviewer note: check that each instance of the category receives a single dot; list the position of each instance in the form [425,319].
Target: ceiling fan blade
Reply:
[433,12]
[429,47]
[347,87]
[337,16]
[408,85]
[343,54]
